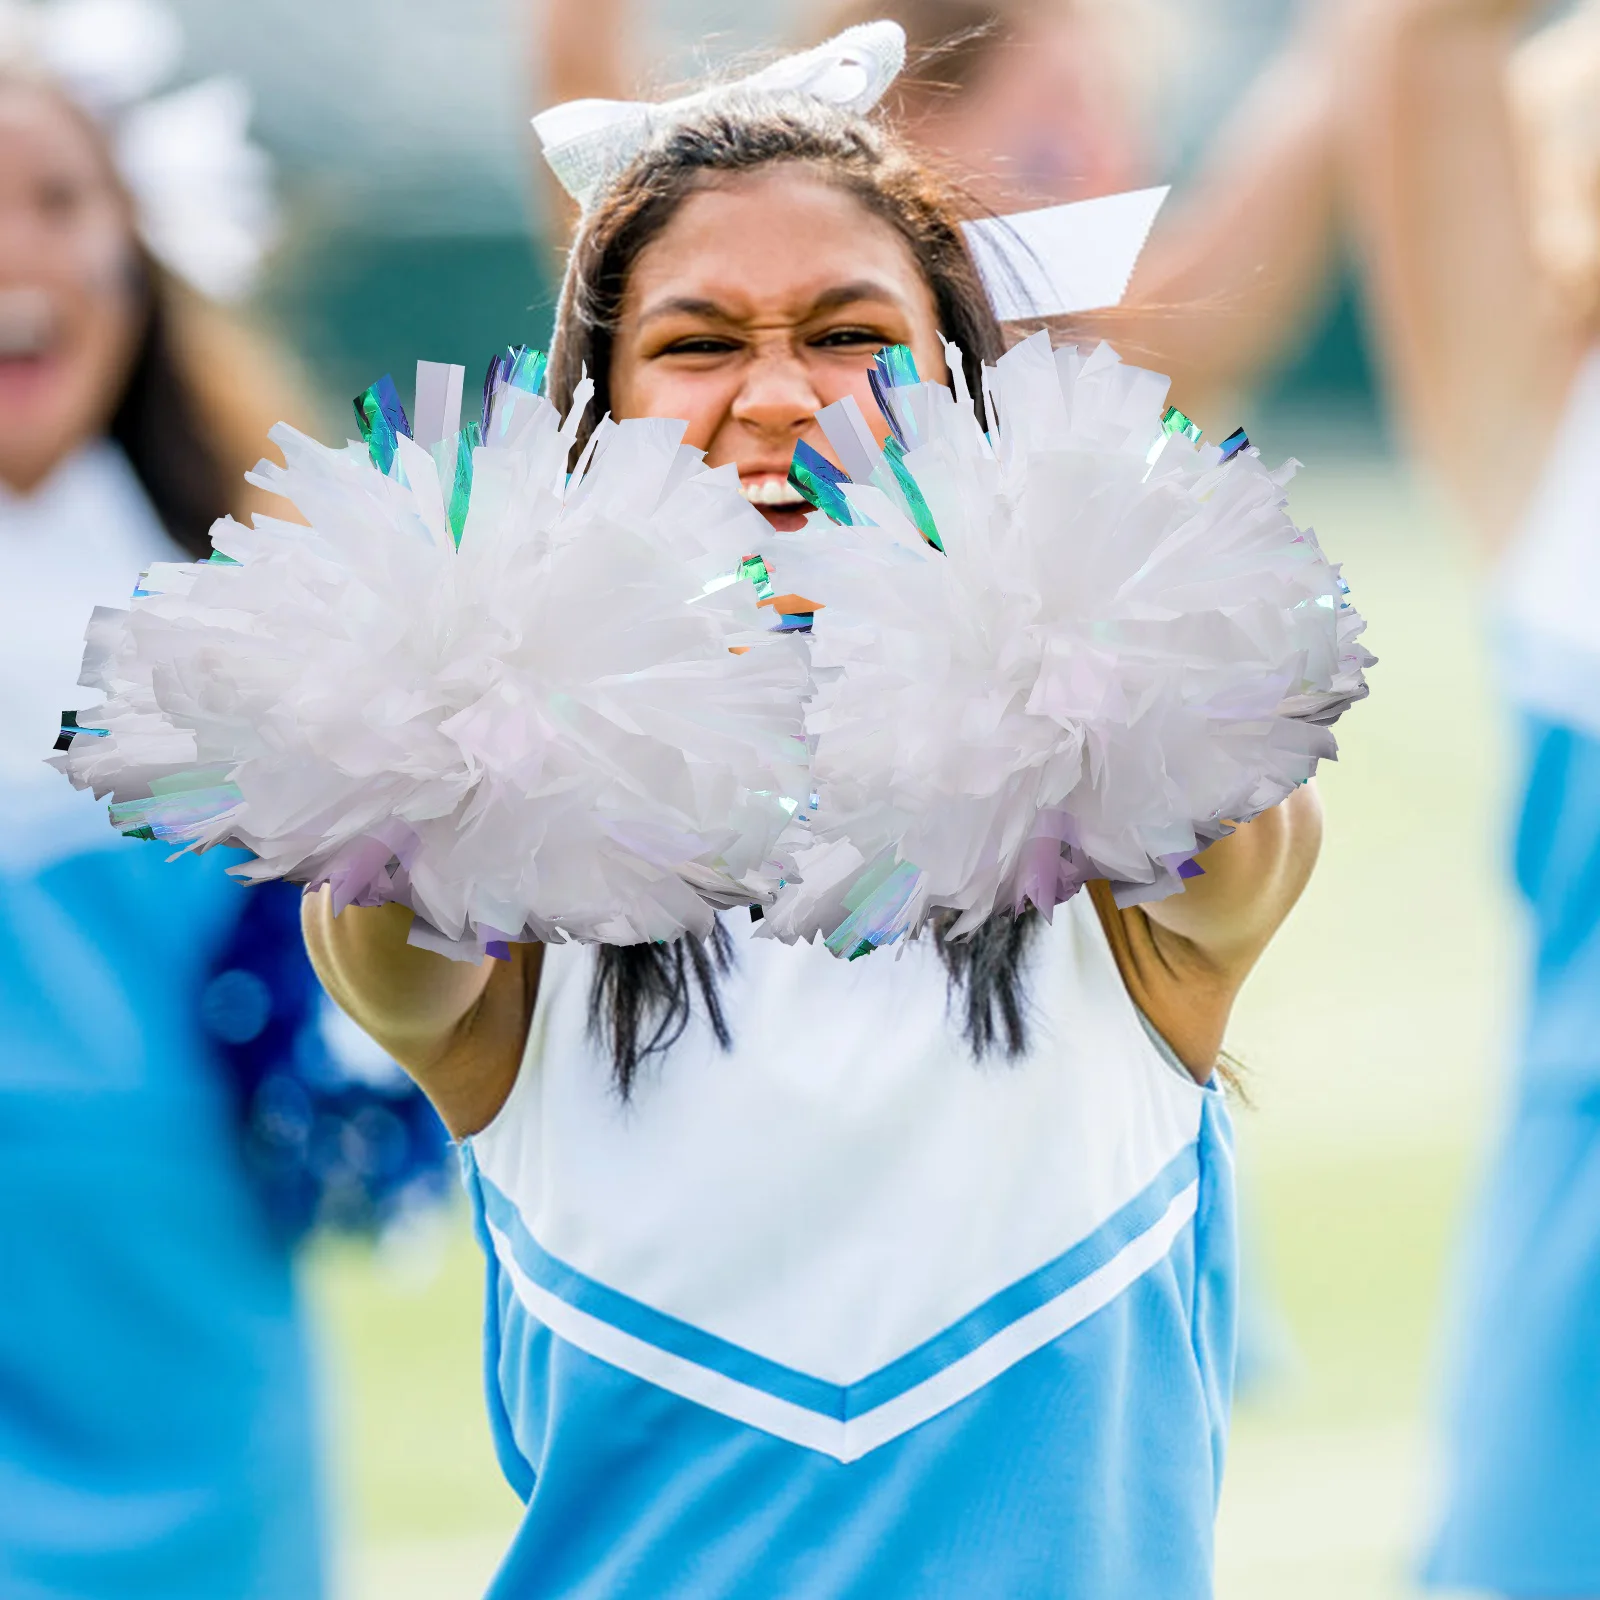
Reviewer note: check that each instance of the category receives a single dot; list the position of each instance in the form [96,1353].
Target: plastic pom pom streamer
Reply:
[526,704]
[1078,646]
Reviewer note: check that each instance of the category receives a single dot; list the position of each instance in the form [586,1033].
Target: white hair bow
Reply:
[201,190]
[588,142]
[1048,263]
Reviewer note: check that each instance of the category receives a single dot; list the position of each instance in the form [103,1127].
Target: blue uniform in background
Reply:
[156,1432]
[1522,1507]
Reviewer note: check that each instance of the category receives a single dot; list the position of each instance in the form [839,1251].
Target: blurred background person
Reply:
[1477,176]
[1033,102]
[156,1423]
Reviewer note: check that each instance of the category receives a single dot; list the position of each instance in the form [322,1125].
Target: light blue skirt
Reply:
[1522,1508]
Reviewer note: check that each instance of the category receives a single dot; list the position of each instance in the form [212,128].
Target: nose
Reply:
[777,397]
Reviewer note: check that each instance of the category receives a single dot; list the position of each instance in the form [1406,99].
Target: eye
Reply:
[849,338]
[702,344]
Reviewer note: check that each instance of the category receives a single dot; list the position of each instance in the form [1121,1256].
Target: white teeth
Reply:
[27,322]
[771,492]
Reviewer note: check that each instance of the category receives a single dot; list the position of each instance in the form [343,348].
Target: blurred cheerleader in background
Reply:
[1479,193]
[1026,103]
[156,1432]
[156,1420]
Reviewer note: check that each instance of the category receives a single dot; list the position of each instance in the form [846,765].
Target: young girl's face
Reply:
[69,311]
[763,300]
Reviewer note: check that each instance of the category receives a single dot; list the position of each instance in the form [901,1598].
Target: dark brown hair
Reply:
[158,423]
[642,995]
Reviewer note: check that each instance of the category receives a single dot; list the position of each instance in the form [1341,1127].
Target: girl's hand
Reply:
[1184,959]
[457,1027]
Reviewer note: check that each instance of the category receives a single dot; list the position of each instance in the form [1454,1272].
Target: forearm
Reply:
[1469,330]
[1226,285]
[579,53]
[582,51]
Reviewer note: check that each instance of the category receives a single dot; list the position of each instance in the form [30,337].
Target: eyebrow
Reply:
[843,294]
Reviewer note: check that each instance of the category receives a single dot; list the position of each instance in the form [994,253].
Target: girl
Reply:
[1484,255]
[155,1421]
[789,1295]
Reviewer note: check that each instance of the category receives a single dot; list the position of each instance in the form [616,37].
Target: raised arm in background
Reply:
[1479,347]
[1235,271]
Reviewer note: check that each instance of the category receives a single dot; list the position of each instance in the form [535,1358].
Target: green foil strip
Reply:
[528,367]
[172,813]
[821,483]
[460,498]
[875,904]
[896,365]
[755,569]
[1173,421]
[382,420]
[894,453]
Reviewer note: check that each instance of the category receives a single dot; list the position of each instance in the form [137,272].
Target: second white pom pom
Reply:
[1076,647]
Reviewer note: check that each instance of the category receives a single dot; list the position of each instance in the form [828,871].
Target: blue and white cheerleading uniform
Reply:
[1522,1508]
[156,1440]
[840,1313]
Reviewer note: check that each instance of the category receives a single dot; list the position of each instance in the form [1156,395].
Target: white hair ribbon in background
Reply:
[201,190]
[1063,259]
[586,143]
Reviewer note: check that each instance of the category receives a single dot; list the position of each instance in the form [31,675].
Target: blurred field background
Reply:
[1373,1030]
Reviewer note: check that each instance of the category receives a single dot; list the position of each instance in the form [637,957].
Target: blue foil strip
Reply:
[382,420]
[1235,442]
[516,367]
[70,730]
[820,482]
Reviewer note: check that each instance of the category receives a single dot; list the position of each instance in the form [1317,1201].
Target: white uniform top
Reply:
[840,1230]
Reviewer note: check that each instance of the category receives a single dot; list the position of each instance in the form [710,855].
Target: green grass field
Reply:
[1372,1034]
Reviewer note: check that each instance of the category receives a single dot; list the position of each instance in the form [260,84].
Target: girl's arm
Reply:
[1184,959]
[457,1028]
[580,51]
[1228,281]
[1479,351]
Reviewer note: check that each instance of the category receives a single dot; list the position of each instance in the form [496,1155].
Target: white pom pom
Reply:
[577,724]
[1124,645]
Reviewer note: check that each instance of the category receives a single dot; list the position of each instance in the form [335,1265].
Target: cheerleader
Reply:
[905,1275]
[156,1431]
[1479,185]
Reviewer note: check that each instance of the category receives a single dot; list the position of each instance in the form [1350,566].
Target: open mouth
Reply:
[29,330]
[773,494]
